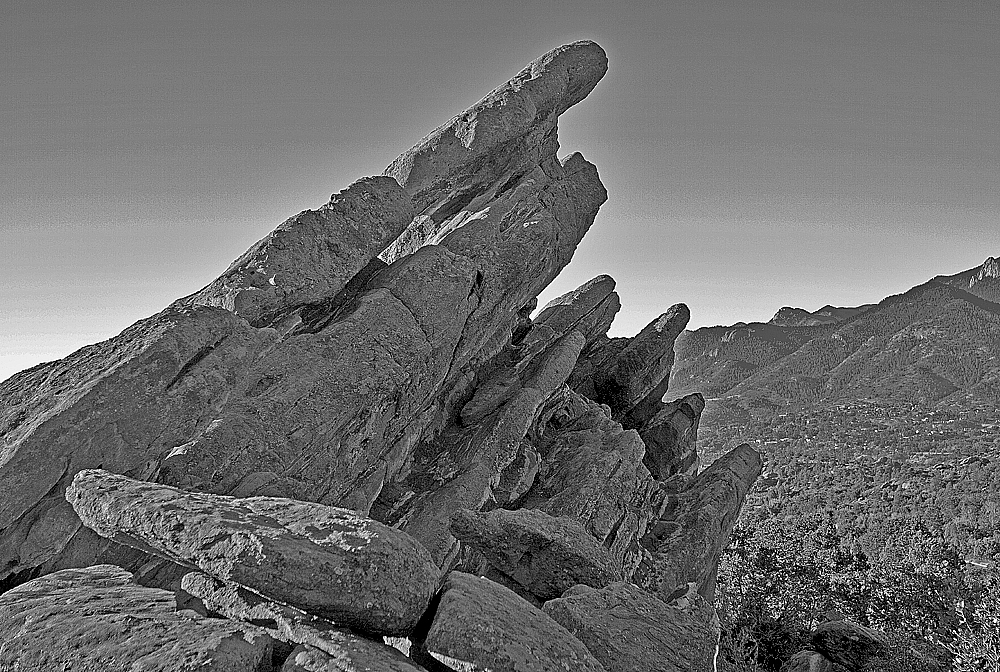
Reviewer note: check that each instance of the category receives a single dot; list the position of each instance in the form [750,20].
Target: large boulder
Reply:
[806,660]
[480,625]
[330,562]
[351,658]
[628,629]
[544,554]
[849,644]
[99,619]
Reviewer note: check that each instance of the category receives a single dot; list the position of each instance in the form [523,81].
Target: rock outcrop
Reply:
[627,628]
[315,450]
[99,619]
[480,625]
[374,578]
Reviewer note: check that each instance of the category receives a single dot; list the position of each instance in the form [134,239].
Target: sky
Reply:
[756,154]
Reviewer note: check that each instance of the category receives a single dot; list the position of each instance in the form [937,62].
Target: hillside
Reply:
[933,342]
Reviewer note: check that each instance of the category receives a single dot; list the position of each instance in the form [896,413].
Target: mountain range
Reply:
[935,342]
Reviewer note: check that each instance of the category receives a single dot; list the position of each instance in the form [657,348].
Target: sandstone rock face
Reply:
[544,554]
[329,388]
[317,431]
[671,437]
[330,562]
[633,377]
[688,539]
[628,629]
[99,619]
[313,255]
[849,644]
[480,625]
[386,659]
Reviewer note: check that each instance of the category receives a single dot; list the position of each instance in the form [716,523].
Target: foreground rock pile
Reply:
[356,450]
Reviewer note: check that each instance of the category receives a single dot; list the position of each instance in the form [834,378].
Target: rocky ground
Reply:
[355,450]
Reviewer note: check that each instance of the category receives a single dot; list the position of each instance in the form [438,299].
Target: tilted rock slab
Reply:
[544,554]
[480,625]
[459,468]
[632,375]
[327,561]
[628,629]
[313,255]
[671,438]
[292,625]
[687,542]
[328,388]
[308,659]
[98,619]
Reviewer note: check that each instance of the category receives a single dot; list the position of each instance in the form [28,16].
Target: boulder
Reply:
[480,625]
[97,618]
[544,554]
[849,644]
[351,658]
[329,562]
[807,661]
[628,629]
[282,622]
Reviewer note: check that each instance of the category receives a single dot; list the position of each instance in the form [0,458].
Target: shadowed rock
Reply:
[373,577]
[807,661]
[671,438]
[480,625]
[592,471]
[545,554]
[687,541]
[628,629]
[631,375]
[98,619]
[849,644]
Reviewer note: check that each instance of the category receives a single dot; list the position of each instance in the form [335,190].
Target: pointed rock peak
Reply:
[674,320]
[535,97]
[990,269]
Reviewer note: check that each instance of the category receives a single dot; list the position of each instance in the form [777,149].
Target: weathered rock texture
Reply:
[375,359]
[627,629]
[99,619]
[546,555]
[484,626]
[328,561]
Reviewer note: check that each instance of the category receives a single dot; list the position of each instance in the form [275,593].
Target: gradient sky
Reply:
[757,154]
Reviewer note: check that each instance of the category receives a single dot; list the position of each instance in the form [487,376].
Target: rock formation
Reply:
[314,456]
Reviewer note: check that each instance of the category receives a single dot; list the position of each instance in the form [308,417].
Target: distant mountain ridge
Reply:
[800,317]
[938,340]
